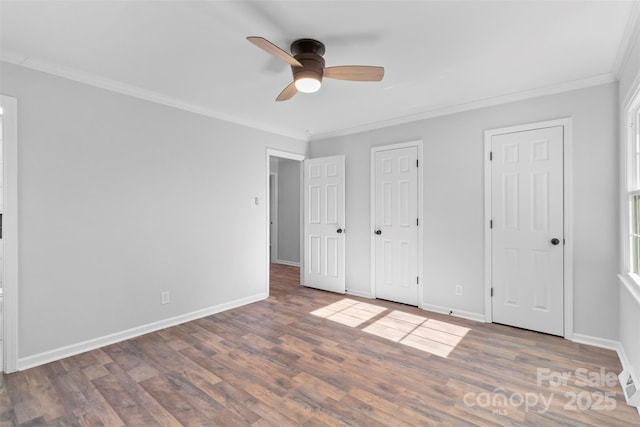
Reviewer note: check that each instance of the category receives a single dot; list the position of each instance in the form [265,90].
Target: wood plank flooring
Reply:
[352,362]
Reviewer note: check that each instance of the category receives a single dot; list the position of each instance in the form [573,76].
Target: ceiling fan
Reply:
[308,67]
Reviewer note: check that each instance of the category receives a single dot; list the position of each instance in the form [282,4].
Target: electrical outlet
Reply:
[458,290]
[164,297]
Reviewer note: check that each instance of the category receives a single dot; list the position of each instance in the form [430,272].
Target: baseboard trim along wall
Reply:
[627,368]
[284,262]
[92,344]
[478,317]
[597,342]
[357,293]
[627,371]
[624,361]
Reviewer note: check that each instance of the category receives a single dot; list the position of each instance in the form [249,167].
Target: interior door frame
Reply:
[10,233]
[372,207]
[273,256]
[270,152]
[567,124]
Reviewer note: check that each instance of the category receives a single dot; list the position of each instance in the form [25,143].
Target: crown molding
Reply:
[630,37]
[475,105]
[137,92]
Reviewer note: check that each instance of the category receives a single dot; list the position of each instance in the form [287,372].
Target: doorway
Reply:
[284,214]
[526,242]
[396,235]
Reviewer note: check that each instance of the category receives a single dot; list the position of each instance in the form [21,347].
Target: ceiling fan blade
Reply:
[274,50]
[359,73]
[288,92]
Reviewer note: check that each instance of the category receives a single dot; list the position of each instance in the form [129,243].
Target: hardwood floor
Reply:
[352,362]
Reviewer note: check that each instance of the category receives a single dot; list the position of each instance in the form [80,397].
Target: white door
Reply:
[396,225]
[527,232]
[324,224]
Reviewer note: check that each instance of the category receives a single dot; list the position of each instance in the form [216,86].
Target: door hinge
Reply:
[417,163]
[417,221]
[490,155]
[490,223]
[417,280]
[491,292]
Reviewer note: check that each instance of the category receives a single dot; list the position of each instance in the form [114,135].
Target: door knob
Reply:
[339,230]
[378,232]
[555,241]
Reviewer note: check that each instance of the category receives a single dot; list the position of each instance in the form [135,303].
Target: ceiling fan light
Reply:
[308,84]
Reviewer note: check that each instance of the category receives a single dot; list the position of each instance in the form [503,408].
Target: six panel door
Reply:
[527,238]
[396,226]
[324,224]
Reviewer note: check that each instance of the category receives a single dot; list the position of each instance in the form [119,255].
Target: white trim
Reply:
[286,155]
[623,180]
[301,245]
[270,152]
[632,103]
[10,236]
[92,344]
[597,342]
[285,262]
[372,218]
[274,246]
[567,124]
[138,92]
[357,293]
[624,360]
[474,105]
[478,317]
[568,228]
[627,370]
[488,197]
[616,346]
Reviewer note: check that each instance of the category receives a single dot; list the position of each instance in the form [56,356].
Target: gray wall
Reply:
[454,200]
[289,211]
[120,199]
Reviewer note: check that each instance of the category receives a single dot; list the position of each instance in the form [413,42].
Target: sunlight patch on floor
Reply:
[430,335]
[349,312]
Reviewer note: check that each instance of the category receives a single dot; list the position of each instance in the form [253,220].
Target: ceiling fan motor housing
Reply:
[312,67]
[309,53]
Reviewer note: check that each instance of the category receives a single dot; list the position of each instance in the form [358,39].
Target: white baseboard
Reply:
[92,344]
[624,360]
[627,370]
[597,342]
[357,293]
[478,317]
[283,262]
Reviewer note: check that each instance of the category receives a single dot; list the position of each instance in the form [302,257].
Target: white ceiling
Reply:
[439,56]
